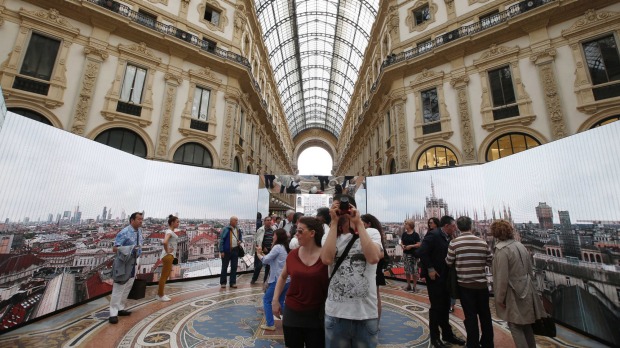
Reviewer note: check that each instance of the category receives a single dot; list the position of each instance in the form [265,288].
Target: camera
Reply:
[344,206]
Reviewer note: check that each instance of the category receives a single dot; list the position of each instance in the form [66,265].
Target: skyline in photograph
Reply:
[37,182]
[577,174]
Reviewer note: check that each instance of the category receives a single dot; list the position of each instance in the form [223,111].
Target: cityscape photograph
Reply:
[564,209]
[60,217]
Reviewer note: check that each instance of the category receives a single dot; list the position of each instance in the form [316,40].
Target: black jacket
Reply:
[433,253]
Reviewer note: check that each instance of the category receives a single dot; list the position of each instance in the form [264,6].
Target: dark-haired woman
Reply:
[303,314]
[167,256]
[276,260]
[371,221]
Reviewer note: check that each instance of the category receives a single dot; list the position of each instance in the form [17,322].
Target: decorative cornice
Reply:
[460,81]
[99,53]
[543,56]
[51,17]
[589,20]
[205,74]
[495,53]
[173,78]
[140,50]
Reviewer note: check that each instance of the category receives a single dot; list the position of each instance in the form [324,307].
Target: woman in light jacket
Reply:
[516,298]
[276,260]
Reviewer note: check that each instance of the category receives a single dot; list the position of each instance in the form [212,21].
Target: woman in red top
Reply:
[303,311]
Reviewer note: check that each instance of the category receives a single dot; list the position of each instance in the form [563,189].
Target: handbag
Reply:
[138,289]
[239,247]
[175,261]
[544,327]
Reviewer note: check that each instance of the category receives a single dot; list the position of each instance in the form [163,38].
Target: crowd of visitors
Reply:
[322,275]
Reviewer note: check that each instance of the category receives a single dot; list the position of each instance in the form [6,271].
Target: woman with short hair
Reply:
[516,299]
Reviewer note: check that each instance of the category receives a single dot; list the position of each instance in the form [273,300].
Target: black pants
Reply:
[475,303]
[440,305]
[324,180]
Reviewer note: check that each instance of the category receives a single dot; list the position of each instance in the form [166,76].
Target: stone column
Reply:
[94,58]
[544,60]
[467,134]
[173,81]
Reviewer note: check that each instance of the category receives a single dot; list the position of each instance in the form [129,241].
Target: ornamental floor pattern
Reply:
[203,315]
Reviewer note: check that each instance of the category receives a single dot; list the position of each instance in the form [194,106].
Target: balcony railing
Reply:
[467,30]
[129,108]
[199,125]
[32,86]
[431,128]
[204,45]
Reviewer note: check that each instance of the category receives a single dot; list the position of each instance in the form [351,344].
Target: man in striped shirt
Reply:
[470,255]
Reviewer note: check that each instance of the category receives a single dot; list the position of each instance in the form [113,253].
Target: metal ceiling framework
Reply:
[316,50]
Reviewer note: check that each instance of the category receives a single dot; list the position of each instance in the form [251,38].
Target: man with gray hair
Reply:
[230,243]
[287,224]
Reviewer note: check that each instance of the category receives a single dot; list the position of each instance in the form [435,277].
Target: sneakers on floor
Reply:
[407,288]
[234,286]
[268,328]
[223,286]
[164,298]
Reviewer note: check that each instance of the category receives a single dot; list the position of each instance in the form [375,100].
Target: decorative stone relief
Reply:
[467,133]
[164,130]
[403,148]
[552,100]
[227,138]
[52,16]
[1,15]
[82,107]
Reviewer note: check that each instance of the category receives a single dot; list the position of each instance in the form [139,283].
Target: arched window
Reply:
[436,157]
[31,115]
[510,144]
[393,166]
[379,172]
[236,165]
[248,170]
[605,121]
[124,140]
[193,154]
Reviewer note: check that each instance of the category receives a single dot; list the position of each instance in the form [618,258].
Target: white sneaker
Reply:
[164,298]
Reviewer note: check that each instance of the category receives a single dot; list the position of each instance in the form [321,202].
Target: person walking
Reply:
[170,250]
[275,259]
[263,241]
[127,248]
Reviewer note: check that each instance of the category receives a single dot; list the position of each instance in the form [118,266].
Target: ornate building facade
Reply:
[442,83]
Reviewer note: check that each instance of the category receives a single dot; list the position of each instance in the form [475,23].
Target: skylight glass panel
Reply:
[315,76]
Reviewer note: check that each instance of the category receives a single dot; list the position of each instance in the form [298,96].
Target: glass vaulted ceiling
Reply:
[316,49]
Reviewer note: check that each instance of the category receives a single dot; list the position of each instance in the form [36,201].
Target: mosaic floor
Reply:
[203,315]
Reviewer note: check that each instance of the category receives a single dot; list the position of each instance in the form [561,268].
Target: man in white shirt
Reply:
[287,224]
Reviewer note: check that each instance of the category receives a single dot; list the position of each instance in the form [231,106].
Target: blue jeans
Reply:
[268,299]
[344,333]
[233,259]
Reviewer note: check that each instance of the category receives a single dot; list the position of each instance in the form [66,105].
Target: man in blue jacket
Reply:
[129,237]
[432,254]
[230,242]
